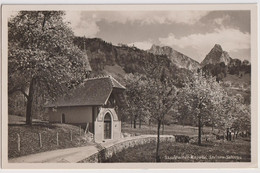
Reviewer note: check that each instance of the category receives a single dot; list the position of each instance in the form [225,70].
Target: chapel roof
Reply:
[93,91]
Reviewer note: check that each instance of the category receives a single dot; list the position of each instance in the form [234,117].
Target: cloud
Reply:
[187,17]
[229,38]
[85,22]
[220,21]
[80,26]
[145,45]
[146,17]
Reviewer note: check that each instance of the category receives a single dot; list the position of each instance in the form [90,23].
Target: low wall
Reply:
[105,153]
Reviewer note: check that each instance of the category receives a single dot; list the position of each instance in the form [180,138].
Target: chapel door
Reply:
[63,118]
[107,126]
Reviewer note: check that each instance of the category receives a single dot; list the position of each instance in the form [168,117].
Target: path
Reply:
[69,155]
[72,155]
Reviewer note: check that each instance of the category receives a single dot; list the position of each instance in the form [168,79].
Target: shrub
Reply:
[182,138]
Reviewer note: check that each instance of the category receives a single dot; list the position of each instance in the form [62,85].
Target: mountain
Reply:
[108,59]
[216,56]
[233,74]
[179,59]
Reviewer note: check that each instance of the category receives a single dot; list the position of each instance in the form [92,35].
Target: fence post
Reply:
[79,130]
[40,140]
[57,138]
[70,135]
[18,142]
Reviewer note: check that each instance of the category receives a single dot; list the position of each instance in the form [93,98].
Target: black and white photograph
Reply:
[147,84]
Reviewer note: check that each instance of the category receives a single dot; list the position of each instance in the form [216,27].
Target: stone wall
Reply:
[105,153]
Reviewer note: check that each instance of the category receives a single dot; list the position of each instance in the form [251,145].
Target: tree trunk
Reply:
[227,134]
[162,127]
[29,103]
[135,122]
[158,142]
[131,121]
[140,122]
[150,125]
[199,126]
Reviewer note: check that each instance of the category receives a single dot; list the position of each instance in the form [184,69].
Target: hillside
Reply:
[30,135]
[235,84]
[106,58]
[179,59]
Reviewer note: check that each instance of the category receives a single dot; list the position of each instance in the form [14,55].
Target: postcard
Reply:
[129,86]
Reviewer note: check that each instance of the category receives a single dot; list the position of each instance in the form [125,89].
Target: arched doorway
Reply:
[107,126]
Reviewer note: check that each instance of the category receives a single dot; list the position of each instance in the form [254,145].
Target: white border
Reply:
[142,2]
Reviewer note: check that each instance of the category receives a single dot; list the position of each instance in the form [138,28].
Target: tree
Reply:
[41,55]
[160,97]
[134,93]
[159,94]
[204,100]
[239,115]
[181,113]
[152,95]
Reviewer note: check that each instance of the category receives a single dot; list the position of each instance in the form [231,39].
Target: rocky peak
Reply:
[176,57]
[158,50]
[216,55]
[217,48]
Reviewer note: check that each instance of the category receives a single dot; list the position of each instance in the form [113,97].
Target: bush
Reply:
[220,137]
[182,138]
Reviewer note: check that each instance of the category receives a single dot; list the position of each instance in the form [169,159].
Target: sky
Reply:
[194,33]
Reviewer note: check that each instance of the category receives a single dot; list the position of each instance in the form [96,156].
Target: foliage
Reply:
[205,102]
[135,87]
[41,55]
[236,67]
[201,100]
[154,93]
[216,70]
[241,114]
[220,70]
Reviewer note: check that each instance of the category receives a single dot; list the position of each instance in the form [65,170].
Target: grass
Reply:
[29,137]
[217,151]
[168,130]
[236,80]
[211,150]
[236,83]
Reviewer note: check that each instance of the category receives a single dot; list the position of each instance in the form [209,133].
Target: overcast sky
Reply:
[193,33]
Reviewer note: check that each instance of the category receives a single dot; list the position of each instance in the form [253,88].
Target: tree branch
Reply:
[15,89]
[24,93]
